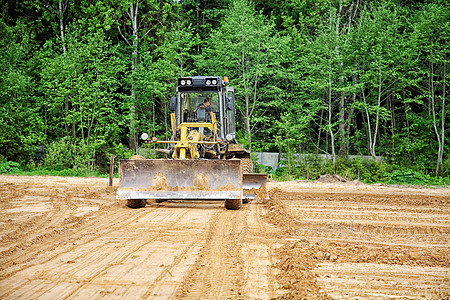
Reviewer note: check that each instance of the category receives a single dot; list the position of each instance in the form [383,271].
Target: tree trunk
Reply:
[246,94]
[342,127]
[377,117]
[341,110]
[134,23]
[369,127]
[441,150]
[319,135]
[440,136]
[61,10]
[330,113]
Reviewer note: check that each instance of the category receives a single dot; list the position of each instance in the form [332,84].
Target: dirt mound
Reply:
[331,178]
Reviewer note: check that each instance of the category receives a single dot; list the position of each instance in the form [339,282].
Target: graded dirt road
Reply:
[69,238]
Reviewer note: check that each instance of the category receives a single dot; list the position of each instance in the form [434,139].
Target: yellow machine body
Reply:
[201,163]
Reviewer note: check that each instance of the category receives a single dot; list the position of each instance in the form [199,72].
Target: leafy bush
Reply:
[446,168]
[365,170]
[408,176]
[7,167]
[67,153]
[59,154]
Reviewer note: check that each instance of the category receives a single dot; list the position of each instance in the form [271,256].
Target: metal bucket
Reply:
[180,179]
[254,185]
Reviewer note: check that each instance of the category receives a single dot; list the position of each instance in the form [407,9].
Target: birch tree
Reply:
[432,33]
[243,48]
[379,50]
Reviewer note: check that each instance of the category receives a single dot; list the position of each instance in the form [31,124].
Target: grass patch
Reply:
[13,168]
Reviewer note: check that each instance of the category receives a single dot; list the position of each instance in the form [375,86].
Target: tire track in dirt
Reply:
[134,249]
[236,258]
[31,245]
[217,271]
[160,281]
[258,253]
[80,243]
[91,258]
[375,225]
[84,234]
[76,262]
[401,236]
[38,227]
[81,262]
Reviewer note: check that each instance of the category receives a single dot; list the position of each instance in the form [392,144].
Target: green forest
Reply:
[82,79]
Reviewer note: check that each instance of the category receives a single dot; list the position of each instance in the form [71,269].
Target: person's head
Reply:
[207,102]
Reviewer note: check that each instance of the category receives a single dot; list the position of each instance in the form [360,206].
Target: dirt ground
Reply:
[69,238]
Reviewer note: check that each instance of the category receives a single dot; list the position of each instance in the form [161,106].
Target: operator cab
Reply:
[191,94]
[192,106]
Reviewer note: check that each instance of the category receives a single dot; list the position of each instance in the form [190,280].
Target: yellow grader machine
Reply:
[203,162]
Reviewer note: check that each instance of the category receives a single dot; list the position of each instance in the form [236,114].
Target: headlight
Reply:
[188,82]
[208,82]
[183,82]
[144,136]
[214,82]
[229,137]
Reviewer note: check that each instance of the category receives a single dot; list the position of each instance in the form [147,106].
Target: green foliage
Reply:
[67,153]
[411,177]
[246,48]
[121,152]
[7,167]
[21,124]
[44,171]
[311,167]
[319,77]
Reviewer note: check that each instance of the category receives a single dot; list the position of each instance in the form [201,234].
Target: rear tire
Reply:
[233,204]
[246,168]
[246,165]
[136,203]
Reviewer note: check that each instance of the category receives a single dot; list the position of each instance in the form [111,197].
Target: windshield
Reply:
[190,101]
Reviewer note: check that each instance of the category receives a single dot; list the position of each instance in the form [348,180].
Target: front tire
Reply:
[233,204]
[136,203]
[246,168]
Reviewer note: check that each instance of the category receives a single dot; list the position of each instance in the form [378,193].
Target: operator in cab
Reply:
[206,105]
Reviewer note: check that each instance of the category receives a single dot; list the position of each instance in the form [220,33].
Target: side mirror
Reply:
[230,103]
[173,103]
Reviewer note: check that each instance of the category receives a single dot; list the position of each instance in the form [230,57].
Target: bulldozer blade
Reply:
[165,179]
[254,185]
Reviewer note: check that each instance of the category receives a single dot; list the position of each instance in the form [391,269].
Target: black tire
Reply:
[136,203]
[233,204]
[246,165]
[246,168]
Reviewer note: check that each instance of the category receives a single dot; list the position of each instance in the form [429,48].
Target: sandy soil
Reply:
[69,238]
